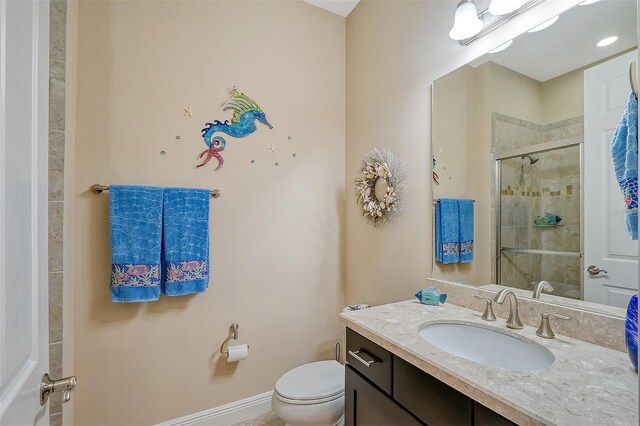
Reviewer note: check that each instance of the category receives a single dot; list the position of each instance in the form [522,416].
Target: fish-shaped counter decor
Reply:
[429,296]
[359,306]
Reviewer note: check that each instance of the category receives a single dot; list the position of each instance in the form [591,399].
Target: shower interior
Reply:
[531,184]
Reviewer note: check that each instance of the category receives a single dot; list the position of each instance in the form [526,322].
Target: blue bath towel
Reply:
[624,152]
[465,212]
[135,216]
[186,241]
[447,231]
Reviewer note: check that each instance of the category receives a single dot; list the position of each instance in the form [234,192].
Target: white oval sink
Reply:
[486,346]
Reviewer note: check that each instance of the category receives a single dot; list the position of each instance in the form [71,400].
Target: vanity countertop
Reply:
[586,385]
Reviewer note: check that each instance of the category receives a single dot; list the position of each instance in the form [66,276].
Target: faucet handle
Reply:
[544,330]
[488,314]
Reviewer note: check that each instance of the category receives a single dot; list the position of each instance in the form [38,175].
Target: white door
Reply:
[607,246]
[24,92]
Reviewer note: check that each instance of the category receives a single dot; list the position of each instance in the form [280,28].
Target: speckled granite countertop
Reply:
[586,385]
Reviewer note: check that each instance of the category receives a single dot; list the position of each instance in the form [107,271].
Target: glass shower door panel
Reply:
[544,184]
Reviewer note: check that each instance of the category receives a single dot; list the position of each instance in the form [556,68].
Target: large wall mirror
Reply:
[525,131]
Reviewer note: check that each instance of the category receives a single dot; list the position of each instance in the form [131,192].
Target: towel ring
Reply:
[633,77]
[234,328]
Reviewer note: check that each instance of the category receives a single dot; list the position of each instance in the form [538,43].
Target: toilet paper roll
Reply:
[237,352]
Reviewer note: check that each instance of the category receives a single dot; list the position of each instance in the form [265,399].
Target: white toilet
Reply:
[312,394]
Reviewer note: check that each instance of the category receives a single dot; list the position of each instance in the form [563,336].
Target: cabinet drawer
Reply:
[366,405]
[430,400]
[371,360]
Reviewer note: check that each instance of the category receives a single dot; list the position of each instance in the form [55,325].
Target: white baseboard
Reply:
[228,414]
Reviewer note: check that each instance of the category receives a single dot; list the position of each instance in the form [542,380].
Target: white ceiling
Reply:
[570,43]
[339,7]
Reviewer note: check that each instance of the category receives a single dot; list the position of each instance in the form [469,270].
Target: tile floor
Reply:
[268,419]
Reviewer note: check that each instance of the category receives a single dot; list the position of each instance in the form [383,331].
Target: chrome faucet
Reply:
[514,319]
[540,287]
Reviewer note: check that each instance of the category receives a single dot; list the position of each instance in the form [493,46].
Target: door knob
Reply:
[48,387]
[594,270]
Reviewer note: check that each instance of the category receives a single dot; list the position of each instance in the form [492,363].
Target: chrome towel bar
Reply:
[437,200]
[97,188]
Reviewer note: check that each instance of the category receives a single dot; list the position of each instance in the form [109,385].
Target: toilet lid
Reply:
[312,381]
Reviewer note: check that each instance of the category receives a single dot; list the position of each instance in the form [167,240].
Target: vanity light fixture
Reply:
[501,47]
[607,41]
[469,25]
[545,24]
[504,7]
[466,23]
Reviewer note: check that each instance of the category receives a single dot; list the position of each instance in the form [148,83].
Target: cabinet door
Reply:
[429,399]
[366,405]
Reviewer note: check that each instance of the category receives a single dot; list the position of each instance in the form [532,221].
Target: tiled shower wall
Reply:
[57,58]
[552,184]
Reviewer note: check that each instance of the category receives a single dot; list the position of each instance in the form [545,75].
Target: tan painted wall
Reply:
[394,52]
[277,232]
[563,96]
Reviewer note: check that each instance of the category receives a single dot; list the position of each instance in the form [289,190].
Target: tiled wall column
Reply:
[57,54]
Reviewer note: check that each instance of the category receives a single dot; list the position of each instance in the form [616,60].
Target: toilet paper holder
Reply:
[234,329]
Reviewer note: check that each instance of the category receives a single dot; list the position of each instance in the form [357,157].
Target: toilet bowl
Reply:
[311,394]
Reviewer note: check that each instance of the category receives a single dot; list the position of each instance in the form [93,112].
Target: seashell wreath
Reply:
[380,164]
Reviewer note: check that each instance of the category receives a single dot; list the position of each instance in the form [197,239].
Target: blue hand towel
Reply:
[447,231]
[465,212]
[135,216]
[624,153]
[186,241]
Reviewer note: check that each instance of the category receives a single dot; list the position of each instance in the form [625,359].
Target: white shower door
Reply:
[24,94]
[607,246]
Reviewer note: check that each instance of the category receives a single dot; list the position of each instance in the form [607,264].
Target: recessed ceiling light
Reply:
[587,2]
[501,47]
[607,41]
[545,24]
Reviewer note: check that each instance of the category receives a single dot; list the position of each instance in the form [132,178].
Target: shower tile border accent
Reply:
[57,88]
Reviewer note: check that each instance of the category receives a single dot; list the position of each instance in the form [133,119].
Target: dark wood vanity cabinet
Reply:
[383,389]
[365,404]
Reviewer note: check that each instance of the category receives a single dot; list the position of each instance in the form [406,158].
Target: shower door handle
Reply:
[594,270]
